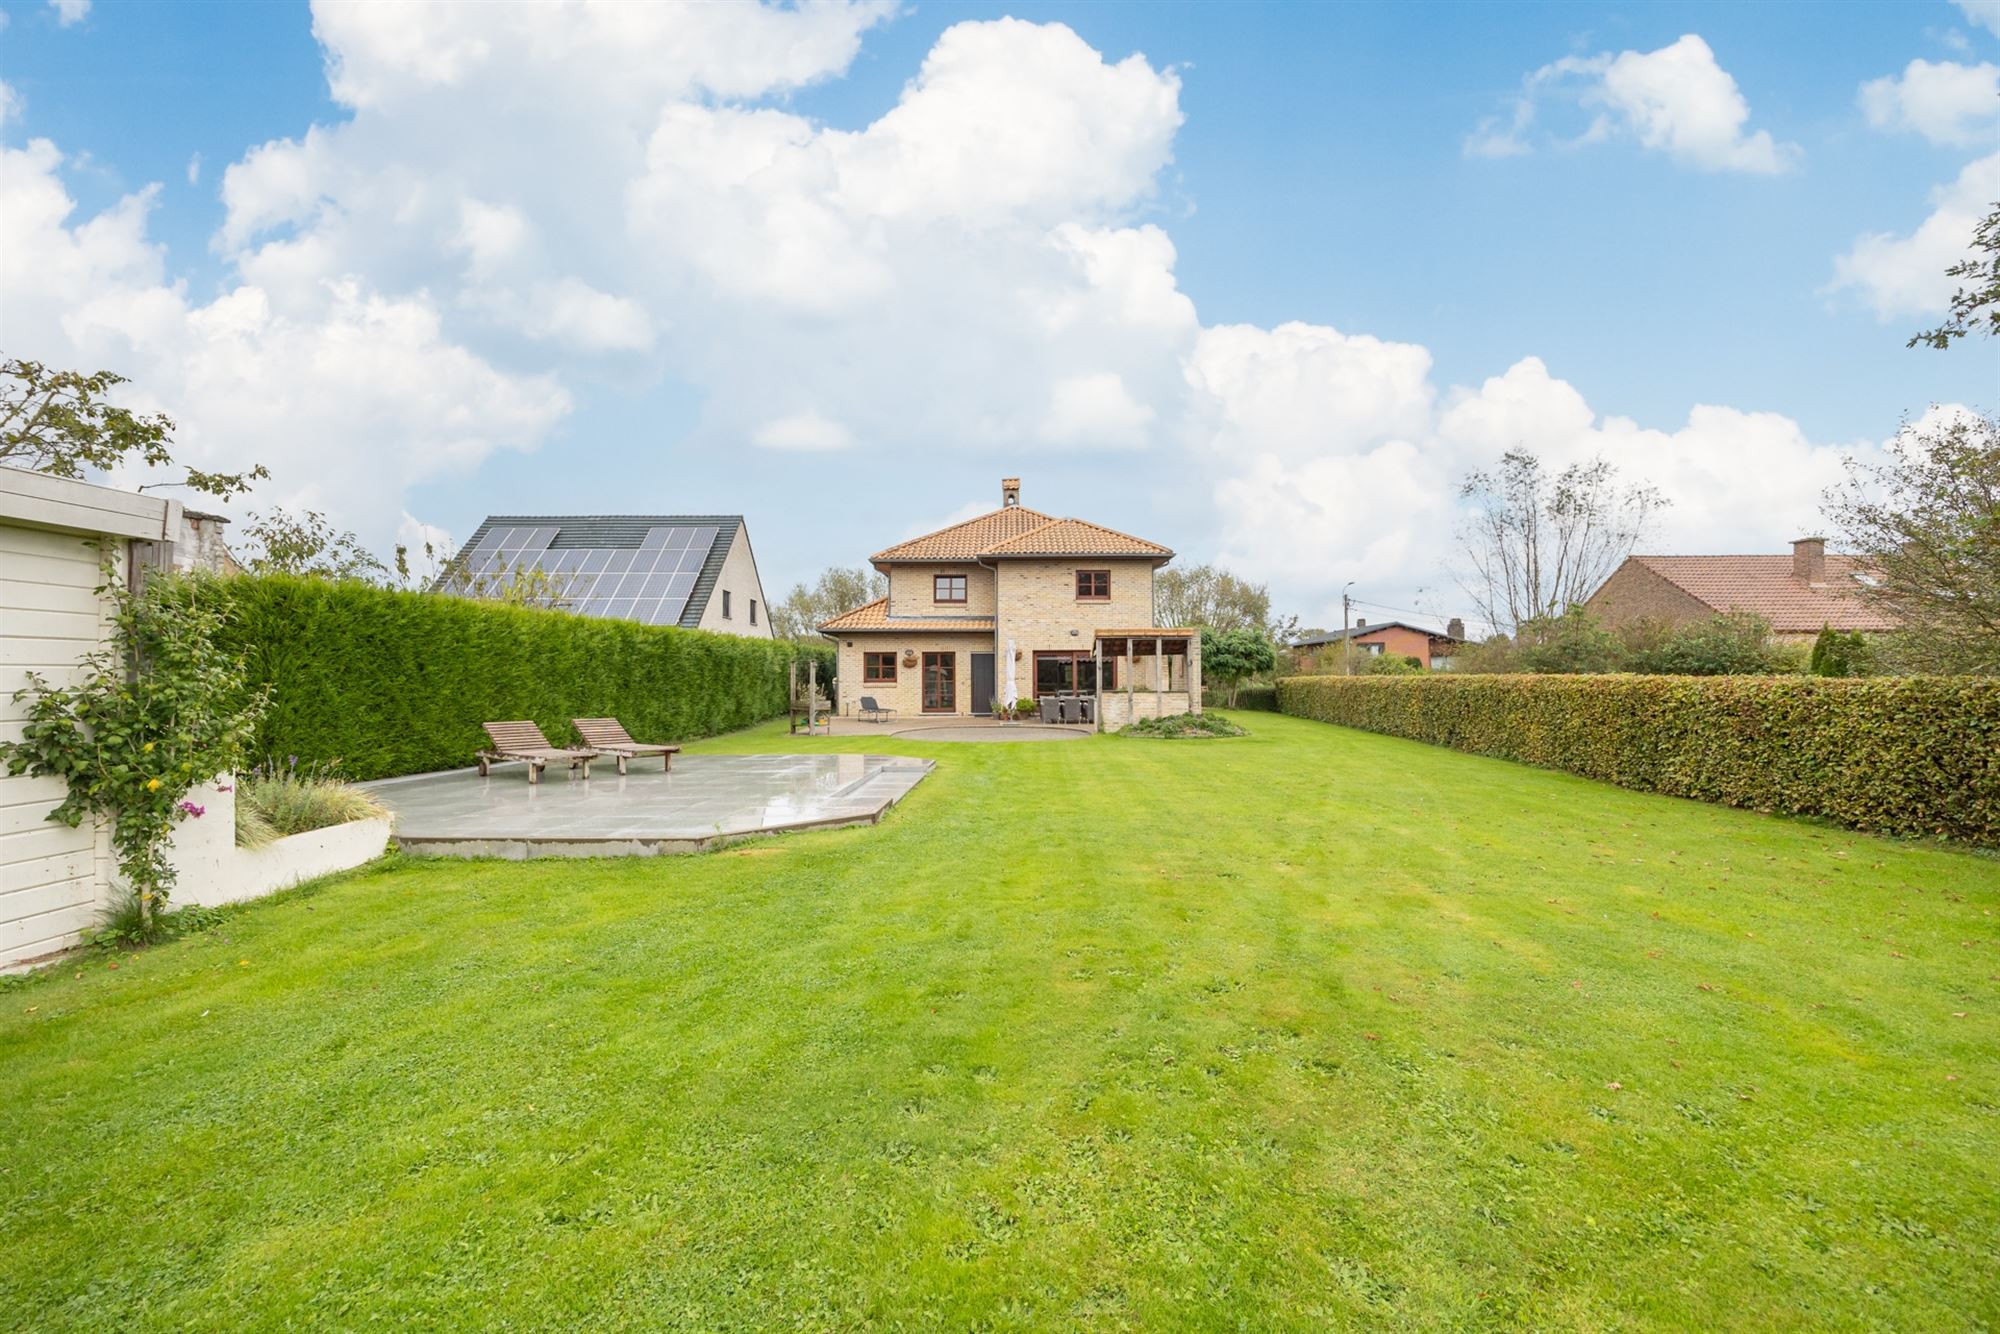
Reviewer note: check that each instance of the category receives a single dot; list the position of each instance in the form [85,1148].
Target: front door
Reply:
[982,684]
[940,683]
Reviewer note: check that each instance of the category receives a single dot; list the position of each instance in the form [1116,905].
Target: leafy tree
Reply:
[1535,544]
[837,590]
[1571,642]
[163,708]
[1736,643]
[279,542]
[1202,595]
[1975,307]
[1837,653]
[1230,657]
[61,423]
[1926,524]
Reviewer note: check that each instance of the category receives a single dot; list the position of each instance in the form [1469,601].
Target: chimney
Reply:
[1809,560]
[1361,623]
[1010,492]
[1454,628]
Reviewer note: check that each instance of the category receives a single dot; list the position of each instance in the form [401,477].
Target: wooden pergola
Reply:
[1157,647]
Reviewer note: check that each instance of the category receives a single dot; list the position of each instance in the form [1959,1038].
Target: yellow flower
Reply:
[152,785]
[149,748]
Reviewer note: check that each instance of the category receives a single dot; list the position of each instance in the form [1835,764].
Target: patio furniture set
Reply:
[1063,709]
[602,736]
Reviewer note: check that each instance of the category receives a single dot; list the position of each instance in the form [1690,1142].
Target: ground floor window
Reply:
[878,669]
[1064,673]
[940,683]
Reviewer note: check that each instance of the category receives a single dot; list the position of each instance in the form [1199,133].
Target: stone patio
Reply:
[705,801]
[951,727]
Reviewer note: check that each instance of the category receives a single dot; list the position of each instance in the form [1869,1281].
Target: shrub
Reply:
[1388,664]
[1835,653]
[1897,755]
[292,802]
[389,682]
[1736,643]
[1176,726]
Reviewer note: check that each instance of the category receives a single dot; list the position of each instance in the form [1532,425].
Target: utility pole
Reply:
[1346,639]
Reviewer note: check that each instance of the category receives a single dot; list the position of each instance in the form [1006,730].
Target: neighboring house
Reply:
[1432,648]
[694,571]
[1797,594]
[1017,604]
[54,880]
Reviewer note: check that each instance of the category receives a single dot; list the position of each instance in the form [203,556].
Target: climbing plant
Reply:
[162,707]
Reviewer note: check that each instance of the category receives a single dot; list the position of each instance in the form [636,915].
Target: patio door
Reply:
[940,683]
[983,689]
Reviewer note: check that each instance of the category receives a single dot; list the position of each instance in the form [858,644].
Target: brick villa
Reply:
[1797,594]
[1017,604]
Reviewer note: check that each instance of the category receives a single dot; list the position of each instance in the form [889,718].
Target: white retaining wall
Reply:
[212,870]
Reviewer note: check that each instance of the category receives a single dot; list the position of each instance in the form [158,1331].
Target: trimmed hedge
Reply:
[1247,697]
[1896,755]
[392,683]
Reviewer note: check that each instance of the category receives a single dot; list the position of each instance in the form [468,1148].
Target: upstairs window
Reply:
[725,605]
[1093,585]
[753,611]
[948,588]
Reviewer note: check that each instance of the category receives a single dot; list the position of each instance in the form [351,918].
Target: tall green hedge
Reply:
[1898,755]
[394,683]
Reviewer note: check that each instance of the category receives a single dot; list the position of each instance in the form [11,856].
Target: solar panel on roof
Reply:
[624,567]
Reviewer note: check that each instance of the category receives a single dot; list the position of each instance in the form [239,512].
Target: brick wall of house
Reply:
[1394,639]
[1635,593]
[905,695]
[1039,607]
[911,588]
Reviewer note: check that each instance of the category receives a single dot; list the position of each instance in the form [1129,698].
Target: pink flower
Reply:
[224,787]
[196,811]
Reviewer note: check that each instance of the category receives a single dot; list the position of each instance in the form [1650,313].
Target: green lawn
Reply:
[1307,1029]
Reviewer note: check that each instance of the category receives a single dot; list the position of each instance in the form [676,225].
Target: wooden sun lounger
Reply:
[609,735]
[524,741]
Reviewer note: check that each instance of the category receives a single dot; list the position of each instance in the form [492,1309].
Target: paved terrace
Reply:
[706,800]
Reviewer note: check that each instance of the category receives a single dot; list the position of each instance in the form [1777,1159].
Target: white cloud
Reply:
[1901,276]
[194,169]
[805,432]
[70,12]
[1676,100]
[1945,102]
[1984,13]
[348,398]
[1096,409]
[10,101]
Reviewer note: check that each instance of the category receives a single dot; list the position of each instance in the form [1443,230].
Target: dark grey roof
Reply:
[623,533]
[1335,636]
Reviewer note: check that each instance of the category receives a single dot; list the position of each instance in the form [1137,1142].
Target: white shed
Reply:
[54,879]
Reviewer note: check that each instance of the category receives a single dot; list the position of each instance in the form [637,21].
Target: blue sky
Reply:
[1308,164]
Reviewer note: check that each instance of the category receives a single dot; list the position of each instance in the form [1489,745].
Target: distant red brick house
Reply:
[1432,648]
[1797,594]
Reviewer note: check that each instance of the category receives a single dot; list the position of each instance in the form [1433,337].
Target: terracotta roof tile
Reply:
[963,541]
[1074,537]
[875,616]
[1019,531]
[1765,585]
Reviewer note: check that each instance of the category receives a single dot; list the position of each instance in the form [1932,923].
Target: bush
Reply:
[1897,755]
[1264,698]
[1736,643]
[1837,653]
[386,682]
[291,802]
[1176,726]
[1389,664]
